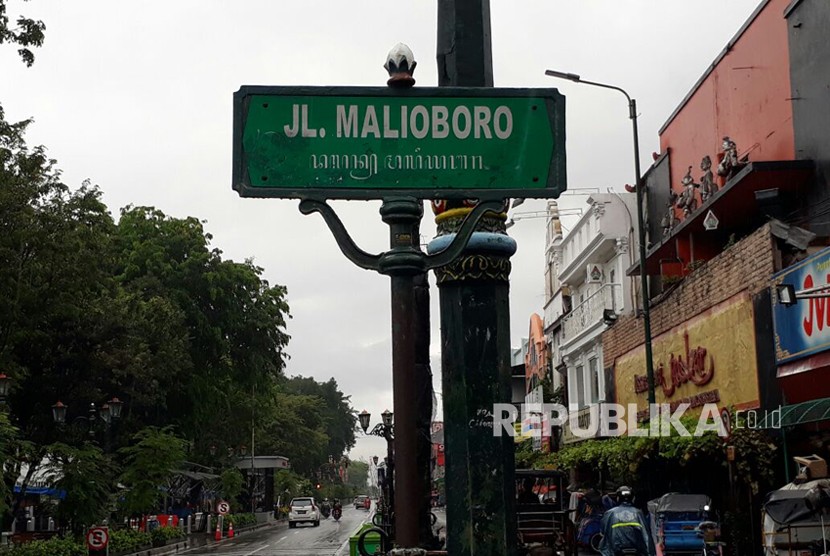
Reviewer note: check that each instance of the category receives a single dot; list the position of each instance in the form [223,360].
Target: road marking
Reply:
[257,550]
[282,539]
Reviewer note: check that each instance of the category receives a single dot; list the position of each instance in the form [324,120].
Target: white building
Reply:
[586,289]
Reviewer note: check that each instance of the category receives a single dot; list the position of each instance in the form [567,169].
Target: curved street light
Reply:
[385,429]
[640,189]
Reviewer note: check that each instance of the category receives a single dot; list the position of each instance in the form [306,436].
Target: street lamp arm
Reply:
[606,86]
[632,104]
[640,190]
[382,431]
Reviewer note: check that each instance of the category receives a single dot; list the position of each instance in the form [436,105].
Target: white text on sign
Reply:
[435,122]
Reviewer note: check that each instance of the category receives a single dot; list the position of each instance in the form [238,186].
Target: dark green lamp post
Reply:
[640,189]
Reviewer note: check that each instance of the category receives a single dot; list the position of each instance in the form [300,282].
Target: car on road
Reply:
[360,501]
[303,510]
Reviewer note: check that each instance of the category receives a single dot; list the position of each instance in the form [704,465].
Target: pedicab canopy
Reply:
[683,503]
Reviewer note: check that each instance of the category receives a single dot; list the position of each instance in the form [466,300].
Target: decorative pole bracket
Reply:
[403,257]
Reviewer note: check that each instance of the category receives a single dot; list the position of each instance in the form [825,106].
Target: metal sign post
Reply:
[402,146]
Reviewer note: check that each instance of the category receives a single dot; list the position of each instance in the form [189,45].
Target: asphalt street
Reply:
[331,538]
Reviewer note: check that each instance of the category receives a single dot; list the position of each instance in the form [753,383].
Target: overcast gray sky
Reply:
[137,97]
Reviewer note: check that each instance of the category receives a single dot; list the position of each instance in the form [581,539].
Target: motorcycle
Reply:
[337,513]
[325,509]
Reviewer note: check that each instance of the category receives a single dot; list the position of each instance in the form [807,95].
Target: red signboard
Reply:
[695,367]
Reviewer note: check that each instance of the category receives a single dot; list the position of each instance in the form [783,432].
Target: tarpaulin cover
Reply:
[787,507]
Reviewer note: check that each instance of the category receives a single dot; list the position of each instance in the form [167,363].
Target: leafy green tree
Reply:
[54,288]
[229,324]
[28,32]
[339,418]
[232,482]
[293,426]
[358,475]
[87,477]
[8,440]
[149,464]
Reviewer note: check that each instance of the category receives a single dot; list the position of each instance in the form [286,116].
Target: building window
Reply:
[580,386]
[594,377]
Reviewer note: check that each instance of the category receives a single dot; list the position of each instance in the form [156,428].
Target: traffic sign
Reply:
[371,143]
[97,538]
[223,508]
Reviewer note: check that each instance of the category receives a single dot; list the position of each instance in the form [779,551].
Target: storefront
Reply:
[710,358]
[802,332]
[802,354]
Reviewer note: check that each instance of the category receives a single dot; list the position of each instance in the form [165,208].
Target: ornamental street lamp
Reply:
[640,189]
[364,419]
[385,429]
[108,414]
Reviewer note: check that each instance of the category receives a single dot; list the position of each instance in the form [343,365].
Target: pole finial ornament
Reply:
[400,63]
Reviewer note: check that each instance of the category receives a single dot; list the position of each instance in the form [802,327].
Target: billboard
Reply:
[802,329]
[711,358]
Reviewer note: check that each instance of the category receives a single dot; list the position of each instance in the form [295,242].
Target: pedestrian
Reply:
[625,528]
[526,495]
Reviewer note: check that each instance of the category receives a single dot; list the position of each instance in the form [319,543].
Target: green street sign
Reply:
[371,143]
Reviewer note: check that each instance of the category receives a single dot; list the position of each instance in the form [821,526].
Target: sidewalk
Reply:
[200,540]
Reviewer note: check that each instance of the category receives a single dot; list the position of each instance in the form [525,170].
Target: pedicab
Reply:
[795,517]
[542,516]
[677,520]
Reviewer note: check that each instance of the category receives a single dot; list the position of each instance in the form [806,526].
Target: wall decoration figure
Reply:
[669,220]
[729,165]
[687,200]
[708,187]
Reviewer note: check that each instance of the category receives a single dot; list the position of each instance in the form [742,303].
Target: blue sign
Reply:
[803,329]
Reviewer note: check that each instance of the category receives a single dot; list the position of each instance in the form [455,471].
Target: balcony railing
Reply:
[589,312]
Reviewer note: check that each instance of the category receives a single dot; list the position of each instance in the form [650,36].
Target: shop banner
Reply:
[804,328]
[711,358]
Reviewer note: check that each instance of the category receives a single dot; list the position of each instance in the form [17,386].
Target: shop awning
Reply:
[41,491]
[812,411]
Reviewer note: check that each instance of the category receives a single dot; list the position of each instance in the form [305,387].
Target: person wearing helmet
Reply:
[625,529]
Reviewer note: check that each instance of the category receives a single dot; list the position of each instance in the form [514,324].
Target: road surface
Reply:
[329,539]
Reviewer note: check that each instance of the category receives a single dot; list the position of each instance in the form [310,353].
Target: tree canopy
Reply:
[142,308]
[25,33]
